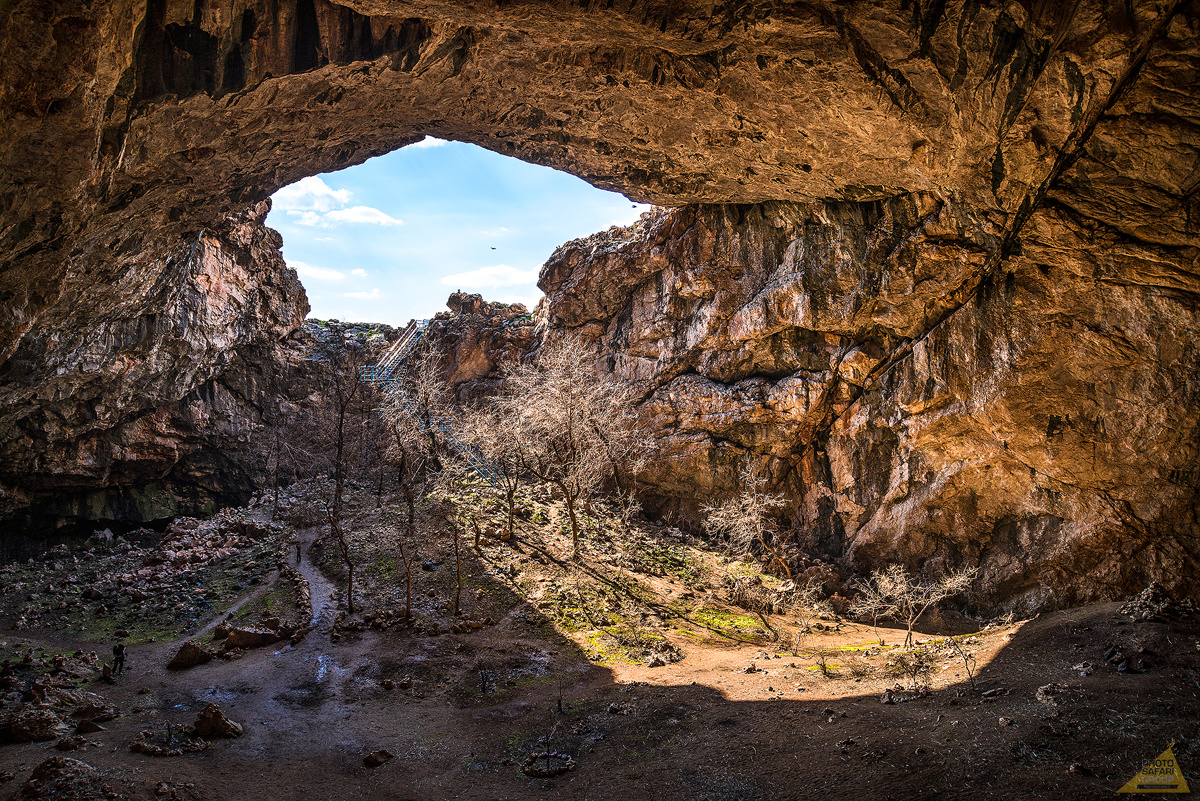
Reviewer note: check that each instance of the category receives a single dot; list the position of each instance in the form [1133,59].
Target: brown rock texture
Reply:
[138,399]
[211,724]
[921,393]
[63,779]
[189,655]
[476,340]
[952,312]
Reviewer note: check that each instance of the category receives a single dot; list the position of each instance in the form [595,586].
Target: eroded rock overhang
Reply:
[1032,169]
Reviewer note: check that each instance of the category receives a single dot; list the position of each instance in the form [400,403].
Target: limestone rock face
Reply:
[138,398]
[476,340]
[921,393]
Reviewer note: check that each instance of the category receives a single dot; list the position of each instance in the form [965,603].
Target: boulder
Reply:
[377,758]
[211,724]
[188,656]
[251,637]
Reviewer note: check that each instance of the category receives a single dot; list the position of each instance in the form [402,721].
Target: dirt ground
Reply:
[745,714]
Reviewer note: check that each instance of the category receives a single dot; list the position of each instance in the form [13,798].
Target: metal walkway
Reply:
[384,374]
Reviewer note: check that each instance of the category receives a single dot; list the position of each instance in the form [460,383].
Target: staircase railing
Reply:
[383,373]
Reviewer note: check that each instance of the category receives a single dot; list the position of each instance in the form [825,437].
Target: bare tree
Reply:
[573,428]
[345,389]
[894,592]
[488,429]
[419,414]
[746,519]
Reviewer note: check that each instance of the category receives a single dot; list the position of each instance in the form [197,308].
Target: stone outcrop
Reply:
[476,340]
[952,311]
[920,392]
[141,399]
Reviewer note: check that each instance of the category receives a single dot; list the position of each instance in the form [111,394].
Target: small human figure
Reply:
[118,658]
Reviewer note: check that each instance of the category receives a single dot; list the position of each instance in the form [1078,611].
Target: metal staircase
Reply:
[384,372]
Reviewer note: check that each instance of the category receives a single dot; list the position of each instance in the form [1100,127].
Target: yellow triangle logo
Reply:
[1161,775]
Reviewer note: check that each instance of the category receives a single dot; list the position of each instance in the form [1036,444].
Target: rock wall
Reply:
[925,390]
[141,401]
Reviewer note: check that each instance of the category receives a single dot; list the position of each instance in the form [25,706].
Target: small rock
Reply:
[1078,769]
[387,684]
[71,743]
[887,698]
[212,724]
[377,758]
[88,727]
[189,655]
[1006,721]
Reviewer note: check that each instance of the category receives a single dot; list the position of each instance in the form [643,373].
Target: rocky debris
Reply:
[384,619]
[150,579]
[189,655]
[36,724]
[166,744]
[1155,603]
[88,727]
[545,764]
[61,778]
[72,743]
[212,724]
[377,758]
[663,653]
[1052,694]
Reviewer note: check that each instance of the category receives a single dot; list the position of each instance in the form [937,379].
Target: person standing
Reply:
[118,658]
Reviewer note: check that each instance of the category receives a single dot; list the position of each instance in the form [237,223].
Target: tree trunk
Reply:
[458,572]
[408,497]
[574,521]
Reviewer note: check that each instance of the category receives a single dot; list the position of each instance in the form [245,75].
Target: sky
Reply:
[389,240]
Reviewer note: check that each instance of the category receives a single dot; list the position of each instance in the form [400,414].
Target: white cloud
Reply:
[312,202]
[359,272]
[355,214]
[315,273]
[496,275]
[360,214]
[501,231]
[429,141]
[374,293]
[310,194]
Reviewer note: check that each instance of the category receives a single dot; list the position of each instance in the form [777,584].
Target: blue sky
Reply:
[389,240]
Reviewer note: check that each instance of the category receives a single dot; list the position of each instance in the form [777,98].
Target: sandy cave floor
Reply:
[466,709]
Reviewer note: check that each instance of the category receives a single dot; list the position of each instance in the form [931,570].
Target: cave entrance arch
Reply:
[1038,158]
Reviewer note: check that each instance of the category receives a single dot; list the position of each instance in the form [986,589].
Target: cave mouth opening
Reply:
[388,240]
